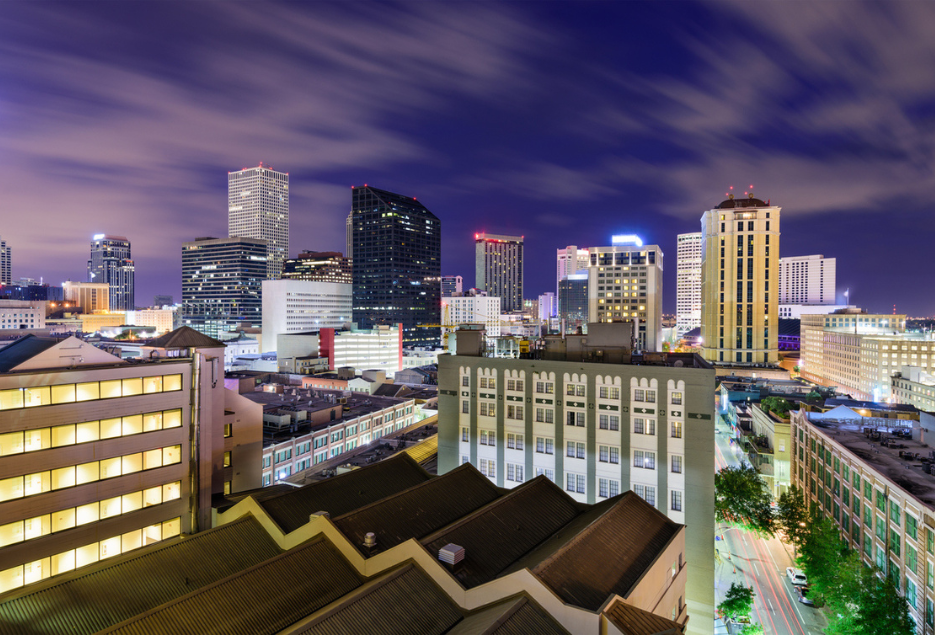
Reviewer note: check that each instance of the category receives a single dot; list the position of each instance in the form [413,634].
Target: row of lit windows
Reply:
[43,568]
[21,530]
[72,475]
[87,391]
[87,431]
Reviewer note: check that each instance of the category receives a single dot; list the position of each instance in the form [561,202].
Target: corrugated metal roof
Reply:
[497,535]
[185,337]
[278,592]
[403,601]
[635,621]
[423,450]
[517,616]
[101,595]
[343,494]
[420,510]
[610,555]
[25,348]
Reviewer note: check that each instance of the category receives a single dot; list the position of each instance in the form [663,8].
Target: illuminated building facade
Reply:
[396,244]
[740,282]
[498,268]
[807,280]
[452,285]
[573,302]
[688,283]
[318,266]
[6,263]
[299,306]
[90,296]
[221,283]
[258,207]
[110,264]
[570,260]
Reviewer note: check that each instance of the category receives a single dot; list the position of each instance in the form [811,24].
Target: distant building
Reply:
[396,244]
[471,309]
[452,285]
[498,268]
[103,464]
[807,280]
[298,306]
[221,283]
[163,320]
[160,301]
[318,266]
[380,348]
[570,261]
[796,311]
[914,386]
[15,314]
[31,291]
[112,265]
[90,296]
[573,302]
[6,263]
[740,282]
[258,207]
[548,306]
[688,283]
[625,285]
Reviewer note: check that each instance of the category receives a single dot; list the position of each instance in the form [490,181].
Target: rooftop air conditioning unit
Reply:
[451,554]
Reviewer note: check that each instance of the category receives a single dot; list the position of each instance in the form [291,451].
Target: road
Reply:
[760,564]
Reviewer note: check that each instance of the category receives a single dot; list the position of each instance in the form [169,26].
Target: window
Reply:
[514,412]
[488,438]
[466,381]
[549,474]
[603,454]
[575,418]
[514,472]
[639,426]
[614,422]
[514,441]
[676,501]
[609,392]
[227,459]
[912,527]
[676,430]
[603,487]
[676,464]
[676,399]
[637,458]
[465,407]
[651,395]
[228,430]
[465,435]
[549,415]
[644,459]
[639,395]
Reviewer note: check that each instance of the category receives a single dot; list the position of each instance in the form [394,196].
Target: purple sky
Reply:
[563,122]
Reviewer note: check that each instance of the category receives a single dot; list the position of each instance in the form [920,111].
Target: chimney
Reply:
[370,543]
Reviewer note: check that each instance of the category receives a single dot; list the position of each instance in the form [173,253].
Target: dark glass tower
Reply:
[396,244]
[110,263]
[221,283]
[573,302]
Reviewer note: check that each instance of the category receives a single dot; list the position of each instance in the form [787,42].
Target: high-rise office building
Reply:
[90,296]
[573,302]
[162,300]
[807,280]
[688,283]
[570,260]
[548,306]
[625,285]
[740,282]
[396,246]
[6,263]
[301,306]
[318,266]
[498,268]
[221,283]
[452,285]
[111,264]
[258,207]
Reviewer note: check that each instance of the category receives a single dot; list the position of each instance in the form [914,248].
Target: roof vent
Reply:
[319,513]
[370,540]
[451,554]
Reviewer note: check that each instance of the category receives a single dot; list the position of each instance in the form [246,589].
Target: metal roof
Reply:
[24,349]
[516,616]
[635,621]
[185,337]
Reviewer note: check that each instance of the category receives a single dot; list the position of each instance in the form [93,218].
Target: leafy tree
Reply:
[813,396]
[880,607]
[777,405]
[796,368]
[742,498]
[738,602]
[792,515]
[752,629]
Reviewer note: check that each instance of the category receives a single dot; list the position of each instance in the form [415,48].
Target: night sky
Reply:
[563,122]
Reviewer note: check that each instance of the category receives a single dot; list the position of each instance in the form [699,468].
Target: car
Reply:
[796,577]
[802,593]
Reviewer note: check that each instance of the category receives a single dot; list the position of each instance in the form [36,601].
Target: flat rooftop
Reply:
[906,471]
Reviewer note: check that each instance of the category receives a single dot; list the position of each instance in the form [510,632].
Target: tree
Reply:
[880,607]
[778,405]
[742,498]
[752,629]
[792,515]
[738,602]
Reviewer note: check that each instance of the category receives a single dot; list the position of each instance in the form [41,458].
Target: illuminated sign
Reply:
[626,239]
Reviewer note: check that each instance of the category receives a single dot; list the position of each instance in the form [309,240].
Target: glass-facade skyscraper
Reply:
[258,207]
[6,261]
[221,283]
[498,269]
[573,302]
[396,242]
[111,264]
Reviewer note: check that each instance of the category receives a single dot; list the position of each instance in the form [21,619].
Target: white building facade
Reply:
[548,306]
[16,314]
[688,282]
[807,280]
[472,309]
[570,260]
[299,306]
[258,207]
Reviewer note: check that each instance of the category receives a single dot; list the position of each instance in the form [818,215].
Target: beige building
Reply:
[882,501]
[90,296]
[163,320]
[740,282]
[859,353]
[18,314]
[771,447]
[916,387]
[625,285]
[96,453]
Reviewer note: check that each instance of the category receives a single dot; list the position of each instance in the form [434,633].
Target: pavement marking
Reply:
[770,605]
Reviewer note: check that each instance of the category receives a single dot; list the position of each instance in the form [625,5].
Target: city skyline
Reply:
[137,141]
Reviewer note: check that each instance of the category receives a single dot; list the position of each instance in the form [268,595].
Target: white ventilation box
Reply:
[451,554]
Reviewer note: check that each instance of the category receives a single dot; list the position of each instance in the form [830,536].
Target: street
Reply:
[760,564]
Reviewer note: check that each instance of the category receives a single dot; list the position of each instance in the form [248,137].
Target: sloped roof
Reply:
[420,510]
[343,494]
[516,616]
[185,337]
[403,601]
[131,584]
[632,620]
[279,592]
[23,349]
[610,555]
[497,535]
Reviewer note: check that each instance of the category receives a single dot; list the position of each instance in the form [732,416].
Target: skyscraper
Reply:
[688,283]
[258,207]
[396,243]
[318,266]
[570,260]
[498,267]
[807,280]
[110,264]
[452,285]
[221,282]
[740,282]
[6,258]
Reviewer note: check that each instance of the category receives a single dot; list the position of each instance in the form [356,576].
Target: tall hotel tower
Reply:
[110,264]
[6,273]
[258,207]
[688,283]
[396,242]
[498,269]
[740,282]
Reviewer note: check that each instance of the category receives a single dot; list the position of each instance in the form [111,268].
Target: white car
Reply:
[796,577]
